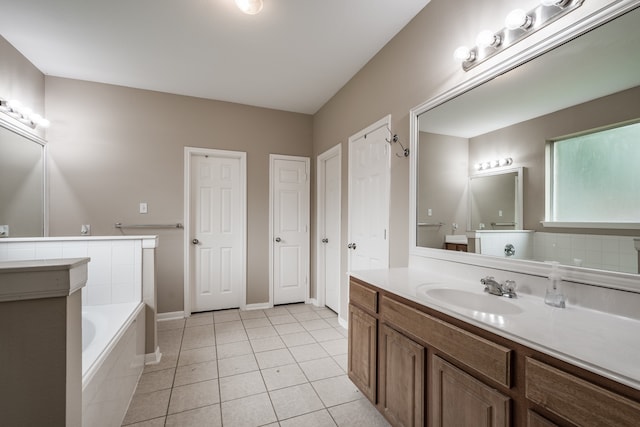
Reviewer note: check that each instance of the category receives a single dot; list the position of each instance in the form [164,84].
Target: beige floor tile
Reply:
[273,358]
[326,334]
[342,360]
[266,344]
[231,336]
[260,322]
[252,314]
[283,376]
[194,396]
[320,418]
[234,349]
[198,336]
[298,338]
[263,332]
[243,385]
[359,413]
[167,325]
[147,406]
[293,401]
[199,320]
[336,390]
[168,360]
[226,316]
[335,347]
[333,321]
[312,325]
[306,315]
[156,422]
[308,352]
[299,308]
[343,331]
[196,372]
[197,355]
[248,412]
[236,325]
[276,311]
[282,319]
[237,365]
[209,416]
[289,328]
[319,369]
[325,313]
[155,380]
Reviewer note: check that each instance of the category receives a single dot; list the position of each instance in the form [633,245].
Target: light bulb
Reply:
[477,166]
[14,105]
[517,18]
[44,123]
[487,38]
[463,54]
[486,165]
[250,7]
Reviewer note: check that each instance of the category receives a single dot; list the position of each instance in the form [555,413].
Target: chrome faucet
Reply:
[506,289]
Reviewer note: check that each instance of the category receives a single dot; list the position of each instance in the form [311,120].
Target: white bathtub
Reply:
[112,360]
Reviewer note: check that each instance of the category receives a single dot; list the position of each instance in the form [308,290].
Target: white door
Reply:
[369,177]
[289,228]
[217,229]
[329,211]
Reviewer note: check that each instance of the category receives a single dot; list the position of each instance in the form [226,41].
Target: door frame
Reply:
[335,151]
[272,159]
[383,122]
[189,153]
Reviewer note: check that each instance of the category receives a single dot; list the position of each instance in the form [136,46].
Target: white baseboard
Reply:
[313,301]
[173,315]
[153,358]
[258,306]
[343,323]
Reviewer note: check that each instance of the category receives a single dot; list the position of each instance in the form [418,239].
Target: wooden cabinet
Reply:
[401,378]
[362,351]
[460,400]
[460,247]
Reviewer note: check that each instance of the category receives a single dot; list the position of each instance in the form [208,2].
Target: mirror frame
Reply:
[9,124]
[519,215]
[603,278]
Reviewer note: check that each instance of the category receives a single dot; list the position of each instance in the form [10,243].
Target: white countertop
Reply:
[603,343]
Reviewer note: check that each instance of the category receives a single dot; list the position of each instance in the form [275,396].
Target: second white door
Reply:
[289,228]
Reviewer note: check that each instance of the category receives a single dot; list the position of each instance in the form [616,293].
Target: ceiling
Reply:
[293,56]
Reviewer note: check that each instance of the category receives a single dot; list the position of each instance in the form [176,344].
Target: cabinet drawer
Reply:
[363,296]
[477,353]
[577,400]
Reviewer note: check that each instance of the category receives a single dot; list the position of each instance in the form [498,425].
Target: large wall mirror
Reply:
[583,83]
[22,183]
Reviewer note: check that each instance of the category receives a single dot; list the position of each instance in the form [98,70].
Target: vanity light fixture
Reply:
[23,114]
[505,161]
[517,26]
[250,7]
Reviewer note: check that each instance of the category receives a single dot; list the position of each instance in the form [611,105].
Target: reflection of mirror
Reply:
[585,83]
[495,200]
[21,184]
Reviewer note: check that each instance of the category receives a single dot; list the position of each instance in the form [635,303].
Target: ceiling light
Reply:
[250,7]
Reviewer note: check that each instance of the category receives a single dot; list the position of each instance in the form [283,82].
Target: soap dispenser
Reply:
[554,296]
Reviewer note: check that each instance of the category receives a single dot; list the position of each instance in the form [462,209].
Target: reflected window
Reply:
[594,176]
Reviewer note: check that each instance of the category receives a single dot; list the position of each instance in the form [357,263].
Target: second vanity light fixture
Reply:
[23,114]
[517,26]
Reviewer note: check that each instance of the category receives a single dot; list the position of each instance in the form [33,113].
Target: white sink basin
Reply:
[490,304]
[459,239]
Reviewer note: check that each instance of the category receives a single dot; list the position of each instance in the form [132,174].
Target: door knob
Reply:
[353,246]
[325,240]
[195,241]
[278,240]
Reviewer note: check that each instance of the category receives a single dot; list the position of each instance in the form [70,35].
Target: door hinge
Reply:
[385,234]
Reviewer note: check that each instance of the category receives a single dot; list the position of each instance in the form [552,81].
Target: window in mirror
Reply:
[593,177]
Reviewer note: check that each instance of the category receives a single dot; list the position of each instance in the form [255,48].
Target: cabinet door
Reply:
[363,334]
[460,400]
[401,379]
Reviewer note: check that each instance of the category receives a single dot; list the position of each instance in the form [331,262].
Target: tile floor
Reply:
[285,366]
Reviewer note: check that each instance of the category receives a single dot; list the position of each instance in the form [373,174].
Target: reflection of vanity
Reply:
[456,242]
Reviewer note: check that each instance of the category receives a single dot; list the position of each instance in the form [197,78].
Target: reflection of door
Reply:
[329,193]
[216,229]
[289,228]
[369,170]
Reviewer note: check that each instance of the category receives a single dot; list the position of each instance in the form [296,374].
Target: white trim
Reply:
[307,160]
[519,202]
[344,323]
[258,306]
[171,315]
[314,302]
[153,358]
[600,225]
[189,152]
[383,122]
[335,151]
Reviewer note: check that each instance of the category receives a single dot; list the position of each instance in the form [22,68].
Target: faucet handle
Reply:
[510,288]
[484,280]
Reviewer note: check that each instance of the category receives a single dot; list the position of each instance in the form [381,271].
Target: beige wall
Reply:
[112,147]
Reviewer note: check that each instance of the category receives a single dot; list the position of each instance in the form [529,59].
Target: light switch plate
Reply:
[143,208]
[4,230]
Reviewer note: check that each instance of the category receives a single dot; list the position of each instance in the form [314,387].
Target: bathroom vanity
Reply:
[432,353]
